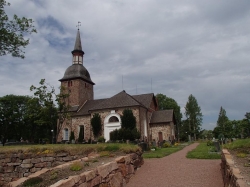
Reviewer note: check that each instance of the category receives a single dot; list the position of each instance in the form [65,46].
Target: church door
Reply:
[160,136]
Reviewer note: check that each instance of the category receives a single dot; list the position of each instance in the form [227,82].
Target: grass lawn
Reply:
[240,143]
[202,151]
[71,148]
[161,152]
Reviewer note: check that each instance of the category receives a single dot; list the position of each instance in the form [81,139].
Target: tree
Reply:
[222,119]
[12,33]
[14,122]
[128,119]
[166,103]
[96,124]
[194,115]
[52,107]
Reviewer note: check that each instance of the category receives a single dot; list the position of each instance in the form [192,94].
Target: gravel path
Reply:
[176,170]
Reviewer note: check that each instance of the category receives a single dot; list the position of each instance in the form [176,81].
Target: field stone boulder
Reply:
[116,179]
[26,165]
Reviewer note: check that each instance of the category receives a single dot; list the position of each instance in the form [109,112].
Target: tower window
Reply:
[70,83]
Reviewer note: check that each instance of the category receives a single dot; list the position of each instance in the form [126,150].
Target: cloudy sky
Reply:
[199,47]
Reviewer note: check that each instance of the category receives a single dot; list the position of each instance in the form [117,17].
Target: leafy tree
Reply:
[52,106]
[184,130]
[12,33]
[166,103]
[128,119]
[96,124]
[194,115]
[14,122]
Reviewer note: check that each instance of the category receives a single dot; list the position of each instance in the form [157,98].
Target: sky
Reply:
[177,48]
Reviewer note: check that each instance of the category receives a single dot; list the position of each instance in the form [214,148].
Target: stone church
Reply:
[153,124]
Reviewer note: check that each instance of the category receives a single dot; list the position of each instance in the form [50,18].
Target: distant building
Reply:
[151,122]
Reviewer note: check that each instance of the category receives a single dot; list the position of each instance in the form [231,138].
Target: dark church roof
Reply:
[144,99]
[77,71]
[119,100]
[162,116]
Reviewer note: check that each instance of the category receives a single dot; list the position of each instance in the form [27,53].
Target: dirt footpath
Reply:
[176,170]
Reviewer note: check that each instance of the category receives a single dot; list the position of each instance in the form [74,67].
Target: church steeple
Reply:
[77,52]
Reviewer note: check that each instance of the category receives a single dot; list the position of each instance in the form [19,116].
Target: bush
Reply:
[166,144]
[80,137]
[76,166]
[101,139]
[33,181]
[125,134]
[209,143]
[96,124]
[72,136]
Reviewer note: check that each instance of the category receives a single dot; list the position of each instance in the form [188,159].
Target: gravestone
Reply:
[217,146]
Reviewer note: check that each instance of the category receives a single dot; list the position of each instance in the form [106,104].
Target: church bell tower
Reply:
[76,80]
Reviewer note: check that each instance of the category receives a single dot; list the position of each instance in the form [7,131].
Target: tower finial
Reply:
[78,24]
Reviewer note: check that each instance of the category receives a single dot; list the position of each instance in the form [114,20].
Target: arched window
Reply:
[66,134]
[113,119]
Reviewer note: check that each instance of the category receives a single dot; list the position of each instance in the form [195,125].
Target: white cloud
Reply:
[194,47]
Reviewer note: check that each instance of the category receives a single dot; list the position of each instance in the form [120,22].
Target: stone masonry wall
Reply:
[113,174]
[75,122]
[17,165]
[230,174]
[165,129]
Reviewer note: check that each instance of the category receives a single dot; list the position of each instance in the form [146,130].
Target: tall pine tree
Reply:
[194,115]
[222,119]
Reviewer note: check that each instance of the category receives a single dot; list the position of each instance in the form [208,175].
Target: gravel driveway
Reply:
[176,170]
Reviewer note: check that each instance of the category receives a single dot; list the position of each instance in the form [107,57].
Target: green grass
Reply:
[161,152]
[71,148]
[240,143]
[202,151]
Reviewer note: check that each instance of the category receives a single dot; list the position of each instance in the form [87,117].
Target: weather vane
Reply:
[78,24]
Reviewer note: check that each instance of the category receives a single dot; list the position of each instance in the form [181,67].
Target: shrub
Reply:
[33,181]
[166,144]
[241,155]
[76,166]
[209,143]
[80,137]
[72,136]
[128,119]
[125,134]
[101,139]
[104,153]
[96,124]
[53,174]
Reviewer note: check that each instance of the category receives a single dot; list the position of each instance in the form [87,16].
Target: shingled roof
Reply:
[144,99]
[119,100]
[162,116]
[84,110]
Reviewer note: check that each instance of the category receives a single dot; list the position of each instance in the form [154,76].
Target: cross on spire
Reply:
[78,24]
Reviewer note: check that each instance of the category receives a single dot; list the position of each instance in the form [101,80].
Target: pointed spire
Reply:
[78,45]
[77,52]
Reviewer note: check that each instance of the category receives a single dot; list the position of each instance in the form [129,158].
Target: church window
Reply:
[66,134]
[113,119]
[70,83]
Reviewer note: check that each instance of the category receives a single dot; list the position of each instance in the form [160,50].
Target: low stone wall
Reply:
[113,174]
[231,175]
[18,165]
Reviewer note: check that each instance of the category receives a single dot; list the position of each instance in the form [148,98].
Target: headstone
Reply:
[217,146]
